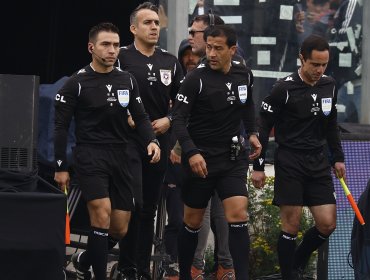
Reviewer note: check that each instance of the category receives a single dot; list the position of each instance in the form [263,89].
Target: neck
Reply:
[227,68]
[99,68]
[145,49]
[303,78]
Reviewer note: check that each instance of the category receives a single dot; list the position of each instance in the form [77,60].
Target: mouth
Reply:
[110,58]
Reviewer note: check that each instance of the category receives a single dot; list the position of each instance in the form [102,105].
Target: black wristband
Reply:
[155,141]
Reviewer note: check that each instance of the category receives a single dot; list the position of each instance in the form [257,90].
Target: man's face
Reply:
[313,68]
[146,27]
[196,41]
[105,49]
[190,60]
[219,54]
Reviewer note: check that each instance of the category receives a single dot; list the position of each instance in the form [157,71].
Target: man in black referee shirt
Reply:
[302,108]
[212,101]
[158,74]
[98,96]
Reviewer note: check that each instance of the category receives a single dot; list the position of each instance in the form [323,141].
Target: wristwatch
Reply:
[155,141]
[253,133]
[169,117]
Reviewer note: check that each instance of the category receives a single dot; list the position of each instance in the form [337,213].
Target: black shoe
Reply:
[82,273]
[128,273]
[172,269]
[144,276]
[297,274]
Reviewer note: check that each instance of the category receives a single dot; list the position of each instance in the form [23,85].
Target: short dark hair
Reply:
[103,26]
[207,18]
[143,6]
[222,30]
[313,42]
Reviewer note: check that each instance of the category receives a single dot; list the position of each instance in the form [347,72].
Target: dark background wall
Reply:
[49,38]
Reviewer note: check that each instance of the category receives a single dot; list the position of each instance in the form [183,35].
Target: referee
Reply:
[212,101]
[98,96]
[302,109]
[158,74]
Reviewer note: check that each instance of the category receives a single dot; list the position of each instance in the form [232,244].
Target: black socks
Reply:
[312,240]
[97,252]
[286,246]
[239,246]
[187,244]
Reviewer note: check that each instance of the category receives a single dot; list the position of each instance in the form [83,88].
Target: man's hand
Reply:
[160,126]
[62,178]
[258,179]
[131,122]
[340,170]
[256,147]
[174,157]
[154,151]
[198,165]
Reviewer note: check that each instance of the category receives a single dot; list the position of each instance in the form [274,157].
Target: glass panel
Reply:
[270,32]
[163,22]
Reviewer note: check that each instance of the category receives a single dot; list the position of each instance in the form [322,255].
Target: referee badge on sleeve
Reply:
[243,93]
[326,104]
[165,76]
[123,97]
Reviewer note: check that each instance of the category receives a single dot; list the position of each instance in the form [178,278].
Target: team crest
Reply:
[243,93]
[123,97]
[326,104]
[165,76]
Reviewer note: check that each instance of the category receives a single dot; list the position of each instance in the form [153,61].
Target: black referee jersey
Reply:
[304,117]
[99,104]
[158,77]
[209,108]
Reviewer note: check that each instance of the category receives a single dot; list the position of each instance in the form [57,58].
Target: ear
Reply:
[133,29]
[301,59]
[90,47]
[233,49]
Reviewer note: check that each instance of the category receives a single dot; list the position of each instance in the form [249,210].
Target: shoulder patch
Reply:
[202,65]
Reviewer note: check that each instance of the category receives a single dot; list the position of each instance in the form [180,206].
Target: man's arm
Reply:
[333,140]
[181,113]
[142,122]
[270,108]
[184,103]
[249,120]
[65,103]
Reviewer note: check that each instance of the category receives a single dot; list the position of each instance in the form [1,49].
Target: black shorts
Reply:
[230,181]
[102,171]
[303,178]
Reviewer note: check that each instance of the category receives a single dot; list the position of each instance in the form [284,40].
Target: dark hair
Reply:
[104,26]
[313,42]
[143,6]
[221,30]
[207,19]
[320,2]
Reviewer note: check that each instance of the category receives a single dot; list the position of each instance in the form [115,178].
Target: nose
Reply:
[211,52]
[111,49]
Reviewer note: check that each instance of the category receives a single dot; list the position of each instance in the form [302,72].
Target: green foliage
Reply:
[209,261]
[264,229]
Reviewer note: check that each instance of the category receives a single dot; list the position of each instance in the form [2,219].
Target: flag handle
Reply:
[68,229]
[352,201]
